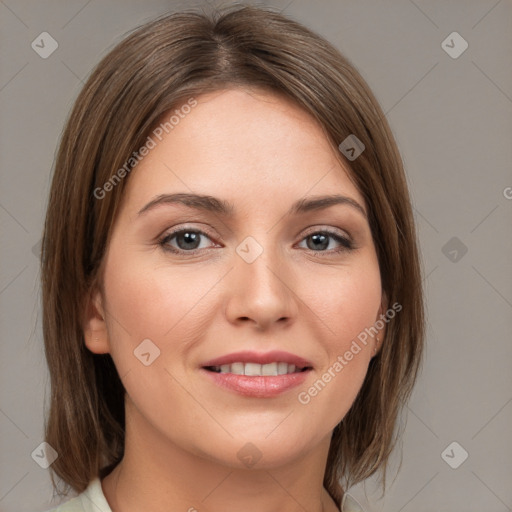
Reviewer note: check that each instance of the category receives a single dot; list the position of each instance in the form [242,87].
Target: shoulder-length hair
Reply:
[152,71]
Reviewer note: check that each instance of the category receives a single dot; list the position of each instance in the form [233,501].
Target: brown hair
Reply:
[156,68]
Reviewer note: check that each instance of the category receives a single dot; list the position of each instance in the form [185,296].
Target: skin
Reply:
[261,153]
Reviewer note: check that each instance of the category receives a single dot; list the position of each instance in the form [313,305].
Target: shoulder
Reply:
[91,500]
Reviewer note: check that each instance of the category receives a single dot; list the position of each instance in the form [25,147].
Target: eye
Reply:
[320,241]
[187,240]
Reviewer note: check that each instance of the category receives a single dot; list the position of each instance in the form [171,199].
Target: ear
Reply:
[384,304]
[380,321]
[94,325]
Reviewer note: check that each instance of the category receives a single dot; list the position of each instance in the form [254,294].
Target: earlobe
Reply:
[94,325]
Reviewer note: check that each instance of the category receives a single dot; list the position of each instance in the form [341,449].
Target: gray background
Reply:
[453,124]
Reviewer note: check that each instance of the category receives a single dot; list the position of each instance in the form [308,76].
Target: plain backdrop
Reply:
[451,113]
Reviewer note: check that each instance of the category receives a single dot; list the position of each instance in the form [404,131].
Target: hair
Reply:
[156,68]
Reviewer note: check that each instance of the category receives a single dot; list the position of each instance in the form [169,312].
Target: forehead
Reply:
[243,145]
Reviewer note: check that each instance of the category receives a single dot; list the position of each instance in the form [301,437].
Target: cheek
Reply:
[347,302]
[147,300]
[166,306]
[169,305]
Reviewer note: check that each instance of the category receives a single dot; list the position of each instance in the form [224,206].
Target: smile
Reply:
[258,375]
[256,369]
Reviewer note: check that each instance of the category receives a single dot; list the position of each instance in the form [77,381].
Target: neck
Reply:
[161,476]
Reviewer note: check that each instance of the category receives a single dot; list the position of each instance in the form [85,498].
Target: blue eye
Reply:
[189,241]
[320,241]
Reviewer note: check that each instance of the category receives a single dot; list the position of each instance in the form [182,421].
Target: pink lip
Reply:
[266,386]
[248,356]
[257,387]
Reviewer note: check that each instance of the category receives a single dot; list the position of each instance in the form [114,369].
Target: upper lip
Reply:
[248,356]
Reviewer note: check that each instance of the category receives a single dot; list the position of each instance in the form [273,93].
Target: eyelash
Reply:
[345,243]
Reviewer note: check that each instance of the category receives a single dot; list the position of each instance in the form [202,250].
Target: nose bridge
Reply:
[259,289]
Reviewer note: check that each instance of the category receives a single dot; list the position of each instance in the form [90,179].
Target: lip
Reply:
[258,387]
[248,356]
[265,386]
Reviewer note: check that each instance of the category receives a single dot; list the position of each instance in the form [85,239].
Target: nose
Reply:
[262,292]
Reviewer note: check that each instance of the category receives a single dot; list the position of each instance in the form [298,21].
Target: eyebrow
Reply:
[222,207]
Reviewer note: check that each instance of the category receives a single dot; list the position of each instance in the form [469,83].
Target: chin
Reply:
[262,448]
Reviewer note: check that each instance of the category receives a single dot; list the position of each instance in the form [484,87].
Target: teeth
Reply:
[269,369]
[257,370]
[236,368]
[282,368]
[252,369]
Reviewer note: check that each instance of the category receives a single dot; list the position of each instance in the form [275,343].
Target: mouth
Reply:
[258,370]
[253,374]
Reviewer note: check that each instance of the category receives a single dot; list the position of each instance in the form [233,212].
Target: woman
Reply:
[232,300]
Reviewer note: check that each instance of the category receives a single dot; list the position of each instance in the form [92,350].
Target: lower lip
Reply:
[260,387]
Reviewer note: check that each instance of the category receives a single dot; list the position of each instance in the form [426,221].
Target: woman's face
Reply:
[231,316]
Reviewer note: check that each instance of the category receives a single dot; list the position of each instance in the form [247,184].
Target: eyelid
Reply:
[312,229]
[329,230]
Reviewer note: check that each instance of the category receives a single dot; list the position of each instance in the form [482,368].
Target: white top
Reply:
[93,500]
